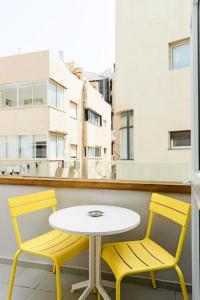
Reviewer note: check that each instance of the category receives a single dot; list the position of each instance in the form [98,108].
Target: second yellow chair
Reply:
[55,245]
[132,257]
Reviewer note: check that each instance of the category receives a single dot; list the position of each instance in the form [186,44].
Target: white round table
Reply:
[77,220]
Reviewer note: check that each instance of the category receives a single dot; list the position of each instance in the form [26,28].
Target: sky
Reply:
[83,29]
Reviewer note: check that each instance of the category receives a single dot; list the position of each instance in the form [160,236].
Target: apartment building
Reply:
[43,126]
[151,101]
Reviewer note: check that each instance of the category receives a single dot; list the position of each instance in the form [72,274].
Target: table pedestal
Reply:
[94,271]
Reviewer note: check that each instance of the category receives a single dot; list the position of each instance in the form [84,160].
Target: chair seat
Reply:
[134,257]
[56,244]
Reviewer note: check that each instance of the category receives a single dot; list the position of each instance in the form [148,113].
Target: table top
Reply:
[77,220]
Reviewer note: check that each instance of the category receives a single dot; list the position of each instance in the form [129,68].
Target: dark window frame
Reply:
[95,116]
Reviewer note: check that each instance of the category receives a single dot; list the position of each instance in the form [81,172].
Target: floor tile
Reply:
[5,271]
[41,295]
[33,284]
[19,293]
[49,283]
[75,295]
[130,291]
[31,277]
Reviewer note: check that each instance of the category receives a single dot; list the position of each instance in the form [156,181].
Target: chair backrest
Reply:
[175,210]
[30,203]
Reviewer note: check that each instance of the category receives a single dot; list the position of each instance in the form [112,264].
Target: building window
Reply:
[60,147]
[40,146]
[10,95]
[26,146]
[93,118]
[40,92]
[60,97]
[126,135]
[12,147]
[180,54]
[93,152]
[73,110]
[23,147]
[73,151]
[2,147]
[53,146]
[56,95]
[25,94]
[32,93]
[52,95]
[180,139]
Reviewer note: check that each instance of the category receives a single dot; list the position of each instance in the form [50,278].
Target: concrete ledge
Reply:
[148,186]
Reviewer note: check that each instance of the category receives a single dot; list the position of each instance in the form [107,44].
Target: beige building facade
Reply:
[43,126]
[152,83]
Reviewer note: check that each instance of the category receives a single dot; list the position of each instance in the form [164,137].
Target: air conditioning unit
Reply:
[77,164]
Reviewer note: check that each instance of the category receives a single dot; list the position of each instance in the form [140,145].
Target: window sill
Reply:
[148,186]
[180,148]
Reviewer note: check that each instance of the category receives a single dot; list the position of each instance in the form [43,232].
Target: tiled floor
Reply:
[33,284]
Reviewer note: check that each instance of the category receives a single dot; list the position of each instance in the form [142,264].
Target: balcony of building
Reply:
[34,279]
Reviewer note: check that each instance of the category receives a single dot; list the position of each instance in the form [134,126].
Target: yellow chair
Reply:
[128,258]
[56,245]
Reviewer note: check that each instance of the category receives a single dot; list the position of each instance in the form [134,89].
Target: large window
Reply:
[180,54]
[32,93]
[23,94]
[93,117]
[126,135]
[23,147]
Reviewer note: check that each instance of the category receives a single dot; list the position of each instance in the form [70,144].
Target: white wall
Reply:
[34,224]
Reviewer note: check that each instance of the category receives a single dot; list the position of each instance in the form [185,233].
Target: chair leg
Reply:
[182,282]
[153,279]
[58,282]
[12,277]
[118,289]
